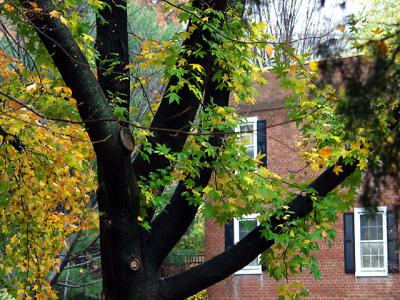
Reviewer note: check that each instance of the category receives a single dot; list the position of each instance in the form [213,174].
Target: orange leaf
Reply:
[269,49]
[292,69]
[325,152]
[337,170]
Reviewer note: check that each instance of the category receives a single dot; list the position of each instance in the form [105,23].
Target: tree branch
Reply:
[112,45]
[76,73]
[178,116]
[65,258]
[172,223]
[241,254]
[12,139]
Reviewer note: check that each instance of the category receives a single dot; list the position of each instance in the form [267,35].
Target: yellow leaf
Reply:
[67,90]
[364,151]
[185,35]
[269,49]
[362,164]
[9,7]
[197,67]
[63,21]
[181,62]
[337,170]
[341,27]
[54,14]
[87,38]
[325,152]
[207,189]
[81,270]
[377,31]
[132,64]
[313,66]
[33,4]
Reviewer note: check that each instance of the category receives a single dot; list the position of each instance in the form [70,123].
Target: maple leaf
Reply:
[63,21]
[337,170]
[197,67]
[269,50]
[54,14]
[313,66]
[325,152]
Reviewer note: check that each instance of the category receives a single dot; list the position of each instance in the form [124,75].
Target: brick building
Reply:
[363,261]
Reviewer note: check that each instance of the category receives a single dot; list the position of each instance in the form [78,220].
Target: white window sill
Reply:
[244,271]
[372,274]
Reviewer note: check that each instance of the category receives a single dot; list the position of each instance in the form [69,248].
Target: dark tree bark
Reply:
[130,256]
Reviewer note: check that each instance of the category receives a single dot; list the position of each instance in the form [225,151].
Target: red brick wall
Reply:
[334,283]
[282,158]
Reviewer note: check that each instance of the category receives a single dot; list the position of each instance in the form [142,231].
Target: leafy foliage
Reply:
[46,177]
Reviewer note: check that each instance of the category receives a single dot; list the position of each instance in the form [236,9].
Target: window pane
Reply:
[246,128]
[371,227]
[245,226]
[250,151]
[372,255]
[246,134]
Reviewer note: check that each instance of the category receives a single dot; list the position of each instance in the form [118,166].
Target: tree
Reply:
[188,141]
[308,26]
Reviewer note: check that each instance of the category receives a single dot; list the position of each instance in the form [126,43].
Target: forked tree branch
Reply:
[169,226]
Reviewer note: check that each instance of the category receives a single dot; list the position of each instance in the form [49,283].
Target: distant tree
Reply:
[308,26]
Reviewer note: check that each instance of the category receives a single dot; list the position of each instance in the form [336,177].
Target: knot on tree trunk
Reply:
[127,139]
[135,263]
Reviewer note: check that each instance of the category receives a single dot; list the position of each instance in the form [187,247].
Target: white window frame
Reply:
[357,236]
[253,121]
[247,270]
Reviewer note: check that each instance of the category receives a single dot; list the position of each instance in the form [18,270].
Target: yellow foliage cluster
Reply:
[44,197]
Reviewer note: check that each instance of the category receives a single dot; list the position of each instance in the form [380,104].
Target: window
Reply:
[370,241]
[248,136]
[253,135]
[241,227]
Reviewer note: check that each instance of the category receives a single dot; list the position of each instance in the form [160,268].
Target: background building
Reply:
[362,262]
